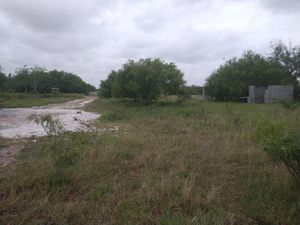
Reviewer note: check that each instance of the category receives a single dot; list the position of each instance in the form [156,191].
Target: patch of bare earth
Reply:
[15,126]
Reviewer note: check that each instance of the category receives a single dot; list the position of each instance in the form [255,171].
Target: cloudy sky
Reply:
[92,37]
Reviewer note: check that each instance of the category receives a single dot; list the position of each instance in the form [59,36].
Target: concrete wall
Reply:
[256,94]
[276,93]
[272,93]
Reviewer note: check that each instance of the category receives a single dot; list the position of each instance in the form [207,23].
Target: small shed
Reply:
[271,93]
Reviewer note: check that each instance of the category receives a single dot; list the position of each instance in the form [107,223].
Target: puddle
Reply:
[14,122]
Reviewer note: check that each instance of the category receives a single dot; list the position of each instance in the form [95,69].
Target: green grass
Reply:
[16,100]
[175,162]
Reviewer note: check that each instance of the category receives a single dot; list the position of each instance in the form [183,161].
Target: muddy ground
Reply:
[15,125]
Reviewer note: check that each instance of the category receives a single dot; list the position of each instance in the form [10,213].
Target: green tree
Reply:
[51,79]
[21,82]
[144,81]
[90,87]
[192,90]
[38,80]
[231,80]
[287,56]
[105,89]
[65,82]
[3,80]
[70,83]
[36,75]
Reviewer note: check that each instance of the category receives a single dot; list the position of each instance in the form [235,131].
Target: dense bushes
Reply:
[282,143]
[192,90]
[144,81]
[37,80]
[3,80]
[231,80]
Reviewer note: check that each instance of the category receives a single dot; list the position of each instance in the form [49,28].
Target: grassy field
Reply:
[15,100]
[173,163]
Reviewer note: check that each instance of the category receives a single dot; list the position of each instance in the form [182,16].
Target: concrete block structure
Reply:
[256,94]
[273,93]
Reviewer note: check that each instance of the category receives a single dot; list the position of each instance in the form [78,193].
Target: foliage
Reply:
[282,143]
[292,105]
[52,126]
[22,80]
[144,81]
[38,80]
[192,90]
[3,80]
[106,85]
[231,80]
[65,82]
[287,56]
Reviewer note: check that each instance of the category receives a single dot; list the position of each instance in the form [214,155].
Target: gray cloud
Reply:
[277,6]
[53,15]
[91,38]
[282,6]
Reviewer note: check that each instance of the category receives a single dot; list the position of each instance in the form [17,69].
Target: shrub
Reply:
[231,80]
[282,143]
[144,81]
[52,126]
[289,104]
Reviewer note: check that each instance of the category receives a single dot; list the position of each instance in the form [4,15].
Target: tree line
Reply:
[146,80]
[231,80]
[38,80]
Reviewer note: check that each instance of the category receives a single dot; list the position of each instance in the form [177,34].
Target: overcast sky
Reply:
[92,37]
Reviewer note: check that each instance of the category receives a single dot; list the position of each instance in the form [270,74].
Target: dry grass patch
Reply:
[190,162]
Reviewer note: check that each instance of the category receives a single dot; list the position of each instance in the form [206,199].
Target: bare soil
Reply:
[14,124]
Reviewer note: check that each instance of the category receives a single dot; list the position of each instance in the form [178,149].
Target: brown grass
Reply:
[192,162]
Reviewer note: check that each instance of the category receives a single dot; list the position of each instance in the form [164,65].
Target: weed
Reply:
[289,104]
[282,143]
[52,126]
[101,191]
[192,162]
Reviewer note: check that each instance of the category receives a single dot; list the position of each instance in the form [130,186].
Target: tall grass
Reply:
[177,162]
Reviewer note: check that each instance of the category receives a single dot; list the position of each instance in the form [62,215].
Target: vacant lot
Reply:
[176,162]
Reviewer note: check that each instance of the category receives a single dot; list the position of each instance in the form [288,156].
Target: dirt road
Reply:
[14,123]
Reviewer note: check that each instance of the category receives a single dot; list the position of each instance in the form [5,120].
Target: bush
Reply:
[3,81]
[231,80]
[52,126]
[282,143]
[289,104]
[144,81]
